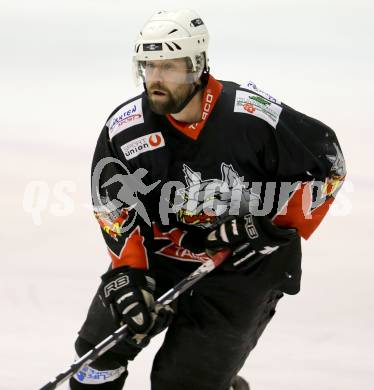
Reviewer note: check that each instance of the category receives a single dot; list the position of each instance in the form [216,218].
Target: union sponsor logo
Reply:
[155,140]
[142,144]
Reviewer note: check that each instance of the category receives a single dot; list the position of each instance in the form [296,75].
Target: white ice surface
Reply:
[66,64]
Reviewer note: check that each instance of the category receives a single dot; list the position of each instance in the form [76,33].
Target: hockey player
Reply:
[191,166]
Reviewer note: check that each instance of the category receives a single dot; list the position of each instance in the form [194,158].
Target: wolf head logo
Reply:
[204,202]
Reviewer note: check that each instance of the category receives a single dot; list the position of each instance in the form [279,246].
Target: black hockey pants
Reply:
[216,326]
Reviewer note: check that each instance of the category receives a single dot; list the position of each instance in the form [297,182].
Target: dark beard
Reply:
[172,105]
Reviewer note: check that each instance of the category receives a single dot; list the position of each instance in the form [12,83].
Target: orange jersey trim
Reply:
[133,253]
[173,249]
[212,92]
[174,235]
[298,213]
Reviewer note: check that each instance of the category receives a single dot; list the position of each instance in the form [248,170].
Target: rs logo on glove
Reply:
[128,293]
[116,284]
[249,238]
[250,227]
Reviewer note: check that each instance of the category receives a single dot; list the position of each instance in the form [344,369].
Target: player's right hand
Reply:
[250,238]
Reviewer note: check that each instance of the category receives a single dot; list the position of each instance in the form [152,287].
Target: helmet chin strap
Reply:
[198,87]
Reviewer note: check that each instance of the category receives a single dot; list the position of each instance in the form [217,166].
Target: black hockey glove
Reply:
[249,238]
[129,294]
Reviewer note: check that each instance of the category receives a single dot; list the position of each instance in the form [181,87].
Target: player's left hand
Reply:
[249,238]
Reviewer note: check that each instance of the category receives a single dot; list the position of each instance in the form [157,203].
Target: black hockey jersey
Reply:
[159,185]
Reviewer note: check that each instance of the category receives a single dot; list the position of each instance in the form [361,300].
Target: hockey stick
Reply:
[121,332]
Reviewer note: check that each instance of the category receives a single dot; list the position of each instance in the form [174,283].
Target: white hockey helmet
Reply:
[170,35]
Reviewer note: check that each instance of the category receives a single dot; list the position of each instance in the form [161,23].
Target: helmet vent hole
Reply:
[177,46]
[170,47]
[173,31]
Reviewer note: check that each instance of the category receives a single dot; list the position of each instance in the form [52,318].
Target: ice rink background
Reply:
[66,64]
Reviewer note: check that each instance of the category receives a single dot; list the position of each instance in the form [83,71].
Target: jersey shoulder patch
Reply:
[127,115]
[251,86]
[255,102]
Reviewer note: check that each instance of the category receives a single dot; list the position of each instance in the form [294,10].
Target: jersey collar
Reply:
[212,91]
